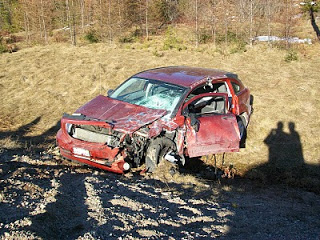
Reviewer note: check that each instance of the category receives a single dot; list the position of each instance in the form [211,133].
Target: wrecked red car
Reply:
[163,113]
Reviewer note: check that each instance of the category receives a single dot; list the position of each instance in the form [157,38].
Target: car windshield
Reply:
[149,93]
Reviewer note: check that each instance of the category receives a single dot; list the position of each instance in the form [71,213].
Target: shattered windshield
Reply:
[149,93]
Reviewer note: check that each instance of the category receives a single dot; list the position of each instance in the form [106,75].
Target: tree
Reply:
[70,7]
[311,7]
[167,11]
[197,32]
[9,15]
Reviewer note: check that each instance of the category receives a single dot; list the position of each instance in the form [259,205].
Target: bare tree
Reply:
[82,14]
[196,18]
[146,22]
[311,7]
[251,22]
[71,20]
[26,19]
[213,8]
[109,22]
[43,22]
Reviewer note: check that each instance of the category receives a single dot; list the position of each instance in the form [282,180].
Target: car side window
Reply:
[236,87]
[216,88]
[207,105]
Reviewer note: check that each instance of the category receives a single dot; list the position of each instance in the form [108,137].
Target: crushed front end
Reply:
[93,142]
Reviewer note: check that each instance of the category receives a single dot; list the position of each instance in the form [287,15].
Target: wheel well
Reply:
[154,151]
[244,118]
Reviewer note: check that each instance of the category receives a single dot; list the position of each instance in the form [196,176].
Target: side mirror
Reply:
[110,91]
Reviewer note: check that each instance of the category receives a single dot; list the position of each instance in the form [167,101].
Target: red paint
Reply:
[217,132]
[183,76]
[125,117]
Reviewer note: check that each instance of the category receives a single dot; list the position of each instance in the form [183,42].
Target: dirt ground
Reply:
[44,197]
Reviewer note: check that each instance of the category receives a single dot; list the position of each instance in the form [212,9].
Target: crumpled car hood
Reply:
[124,116]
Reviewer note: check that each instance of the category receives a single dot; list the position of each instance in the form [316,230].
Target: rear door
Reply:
[211,128]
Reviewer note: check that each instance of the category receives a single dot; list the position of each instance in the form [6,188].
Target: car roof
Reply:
[184,76]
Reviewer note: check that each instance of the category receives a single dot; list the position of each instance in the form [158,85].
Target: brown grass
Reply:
[45,81]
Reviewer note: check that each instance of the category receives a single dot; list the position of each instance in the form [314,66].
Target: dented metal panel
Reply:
[124,116]
[217,133]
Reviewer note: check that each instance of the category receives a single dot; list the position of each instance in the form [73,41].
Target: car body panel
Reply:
[218,132]
[98,152]
[223,137]
[122,115]
[182,76]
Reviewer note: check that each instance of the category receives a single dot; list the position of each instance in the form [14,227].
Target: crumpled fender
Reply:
[160,125]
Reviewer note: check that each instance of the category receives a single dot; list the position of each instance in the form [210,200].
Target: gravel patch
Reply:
[43,197]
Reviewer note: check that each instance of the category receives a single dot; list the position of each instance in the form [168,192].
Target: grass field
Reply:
[41,83]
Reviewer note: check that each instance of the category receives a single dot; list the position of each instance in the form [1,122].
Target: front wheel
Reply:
[157,150]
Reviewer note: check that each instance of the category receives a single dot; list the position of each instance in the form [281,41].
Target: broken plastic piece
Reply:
[126,166]
[170,156]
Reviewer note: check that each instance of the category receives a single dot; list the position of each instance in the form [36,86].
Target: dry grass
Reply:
[45,81]
[10,143]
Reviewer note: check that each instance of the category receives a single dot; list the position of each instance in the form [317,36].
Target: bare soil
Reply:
[45,197]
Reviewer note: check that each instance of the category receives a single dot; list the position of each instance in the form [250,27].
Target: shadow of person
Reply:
[275,141]
[286,163]
[296,152]
[285,150]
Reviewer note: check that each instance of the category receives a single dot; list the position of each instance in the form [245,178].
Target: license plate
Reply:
[81,152]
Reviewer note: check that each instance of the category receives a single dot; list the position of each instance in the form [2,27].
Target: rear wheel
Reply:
[156,152]
[243,133]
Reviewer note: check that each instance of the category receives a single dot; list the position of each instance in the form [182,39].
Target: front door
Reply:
[211,128]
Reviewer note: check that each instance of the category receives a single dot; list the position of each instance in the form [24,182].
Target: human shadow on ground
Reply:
[286,163]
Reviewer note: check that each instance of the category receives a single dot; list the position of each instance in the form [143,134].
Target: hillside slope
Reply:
[39,84]
[44,197]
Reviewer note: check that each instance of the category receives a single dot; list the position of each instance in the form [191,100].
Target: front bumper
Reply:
[100,155]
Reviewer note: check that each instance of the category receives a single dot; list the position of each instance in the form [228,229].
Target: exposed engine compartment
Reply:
[96,134]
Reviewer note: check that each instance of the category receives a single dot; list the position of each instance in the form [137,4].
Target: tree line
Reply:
[213,21]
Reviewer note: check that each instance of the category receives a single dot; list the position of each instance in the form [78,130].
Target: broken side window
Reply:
[208,105]
[220,87]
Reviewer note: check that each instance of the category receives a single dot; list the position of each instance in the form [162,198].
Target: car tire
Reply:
[243,133]
[156,151]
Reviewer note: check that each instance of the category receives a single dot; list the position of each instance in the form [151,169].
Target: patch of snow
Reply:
[275,39]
